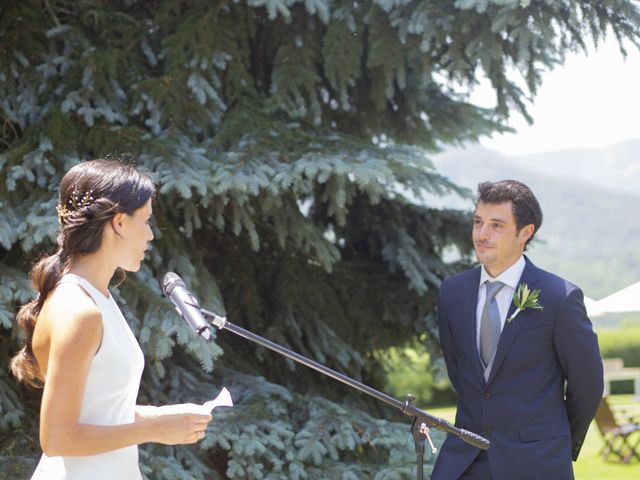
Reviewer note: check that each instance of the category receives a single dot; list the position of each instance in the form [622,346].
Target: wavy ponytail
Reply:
[44,275]
[90,194]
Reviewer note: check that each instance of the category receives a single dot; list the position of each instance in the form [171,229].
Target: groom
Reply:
[529,383]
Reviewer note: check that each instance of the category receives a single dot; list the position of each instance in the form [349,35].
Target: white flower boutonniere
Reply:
[524,298]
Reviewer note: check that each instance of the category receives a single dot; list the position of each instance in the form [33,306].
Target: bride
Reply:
[79,346]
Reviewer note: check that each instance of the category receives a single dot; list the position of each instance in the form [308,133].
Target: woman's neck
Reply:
[94,268]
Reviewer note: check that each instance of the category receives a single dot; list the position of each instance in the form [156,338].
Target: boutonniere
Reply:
[523,299]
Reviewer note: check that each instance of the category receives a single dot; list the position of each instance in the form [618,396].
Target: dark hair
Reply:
[91,193]
[525,206]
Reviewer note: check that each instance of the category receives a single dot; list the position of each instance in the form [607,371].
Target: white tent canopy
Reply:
[591,306]
[623,301]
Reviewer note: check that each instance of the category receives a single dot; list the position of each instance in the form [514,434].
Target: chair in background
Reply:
[621,439]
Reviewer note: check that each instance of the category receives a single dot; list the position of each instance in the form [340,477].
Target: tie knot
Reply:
[492,289]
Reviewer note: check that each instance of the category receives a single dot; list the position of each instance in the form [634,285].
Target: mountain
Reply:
[616,168]
[591,226]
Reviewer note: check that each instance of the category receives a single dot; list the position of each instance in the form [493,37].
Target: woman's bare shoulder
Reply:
[69,306]
[69,325]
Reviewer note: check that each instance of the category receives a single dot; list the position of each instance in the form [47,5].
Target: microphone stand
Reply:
[422,421]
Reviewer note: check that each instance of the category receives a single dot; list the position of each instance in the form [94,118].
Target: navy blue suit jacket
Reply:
[535,424]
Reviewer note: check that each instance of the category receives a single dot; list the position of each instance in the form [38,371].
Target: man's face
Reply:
[497,241]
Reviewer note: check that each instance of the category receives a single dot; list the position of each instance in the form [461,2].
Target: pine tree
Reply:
[290,141]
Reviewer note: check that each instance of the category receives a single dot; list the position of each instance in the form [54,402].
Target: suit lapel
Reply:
[470,319]
[511,329]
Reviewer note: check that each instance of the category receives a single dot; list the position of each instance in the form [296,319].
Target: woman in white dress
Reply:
[79,347]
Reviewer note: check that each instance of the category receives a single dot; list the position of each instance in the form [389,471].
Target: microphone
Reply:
[186,304]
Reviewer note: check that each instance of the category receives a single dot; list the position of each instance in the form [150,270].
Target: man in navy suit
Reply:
[530,384]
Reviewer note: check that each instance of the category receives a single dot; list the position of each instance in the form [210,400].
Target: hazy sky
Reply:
[591,101]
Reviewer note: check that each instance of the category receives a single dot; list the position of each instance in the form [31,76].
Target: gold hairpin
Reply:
[76,202]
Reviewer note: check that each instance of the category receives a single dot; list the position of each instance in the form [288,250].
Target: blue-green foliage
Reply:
[289,140]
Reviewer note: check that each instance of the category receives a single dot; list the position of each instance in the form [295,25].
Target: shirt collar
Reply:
[511,276]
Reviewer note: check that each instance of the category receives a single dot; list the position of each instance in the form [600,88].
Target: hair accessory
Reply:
[76,202]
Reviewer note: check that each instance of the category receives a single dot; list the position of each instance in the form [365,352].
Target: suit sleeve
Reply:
[576,347]
[446,342]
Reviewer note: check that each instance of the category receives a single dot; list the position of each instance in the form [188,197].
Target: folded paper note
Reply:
[222,400]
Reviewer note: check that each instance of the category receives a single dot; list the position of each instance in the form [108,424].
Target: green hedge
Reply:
[623,342]
[411,370]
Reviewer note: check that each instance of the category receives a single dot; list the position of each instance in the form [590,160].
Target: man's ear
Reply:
[117,224]
[526,232]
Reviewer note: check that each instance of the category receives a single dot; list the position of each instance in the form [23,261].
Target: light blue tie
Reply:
[490,323]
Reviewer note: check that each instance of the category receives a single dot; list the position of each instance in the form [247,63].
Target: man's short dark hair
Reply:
[525,206]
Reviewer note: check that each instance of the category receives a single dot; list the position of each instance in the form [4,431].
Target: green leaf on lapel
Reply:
[525,298]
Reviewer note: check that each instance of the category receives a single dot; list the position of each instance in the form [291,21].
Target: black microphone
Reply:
[186,304]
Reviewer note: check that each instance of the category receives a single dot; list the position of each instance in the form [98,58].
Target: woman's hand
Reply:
[179,428]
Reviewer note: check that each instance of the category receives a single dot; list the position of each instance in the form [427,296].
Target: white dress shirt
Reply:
[510,277]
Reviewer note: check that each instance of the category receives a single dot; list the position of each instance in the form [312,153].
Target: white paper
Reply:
[222,400]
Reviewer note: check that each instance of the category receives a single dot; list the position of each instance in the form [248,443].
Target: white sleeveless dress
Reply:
[109,397]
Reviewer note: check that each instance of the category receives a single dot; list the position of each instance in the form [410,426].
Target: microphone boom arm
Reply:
[405,407]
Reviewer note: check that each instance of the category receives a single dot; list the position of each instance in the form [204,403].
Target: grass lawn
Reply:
[590,465]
